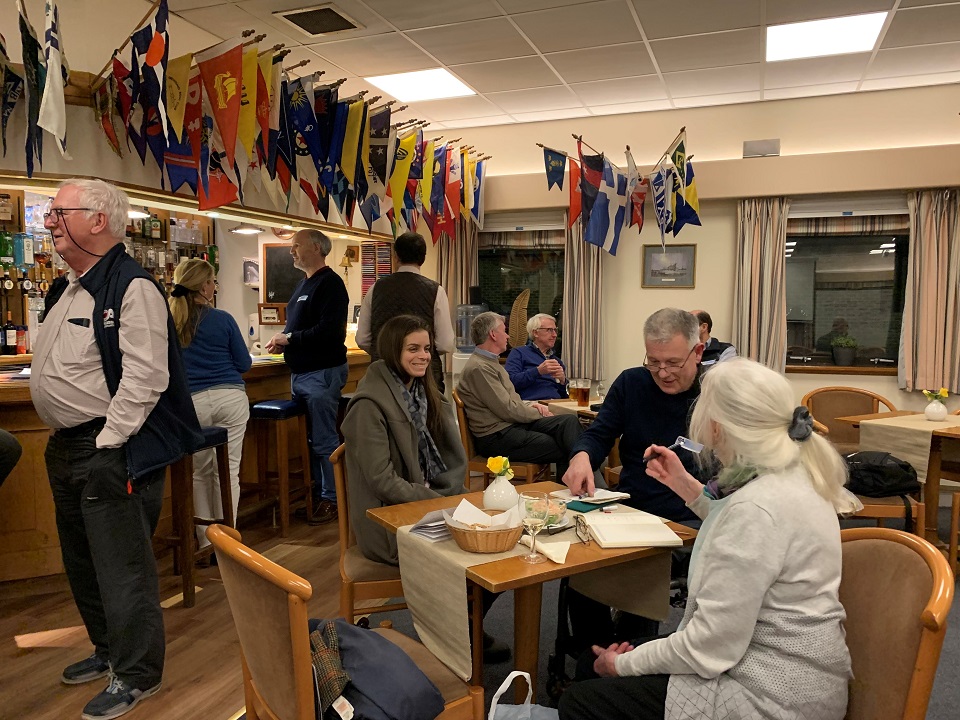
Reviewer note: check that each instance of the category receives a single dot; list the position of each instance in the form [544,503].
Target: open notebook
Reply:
[632,529]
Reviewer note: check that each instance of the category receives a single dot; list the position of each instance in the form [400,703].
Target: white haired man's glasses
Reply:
[668,366]
[58,212]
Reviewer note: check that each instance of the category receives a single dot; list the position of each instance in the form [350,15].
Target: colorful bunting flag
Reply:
[478,193]
[153,45]
[575,197]
[555,163]
[403,158]
[182,158]
[103,106]
[34,81]
[127,85]
[11,85]
[351,141]
[686,204]
[246,125]
[441,168]
[609,209]
[178,76]
[53,111]
[221,69]
[452,201]
[662,184]
[678,155]
[215,188]
[590,177]
[636,193]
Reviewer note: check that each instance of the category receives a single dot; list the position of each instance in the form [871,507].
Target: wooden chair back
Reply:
[518,319]
[269,608]
[897,590]
[826,404]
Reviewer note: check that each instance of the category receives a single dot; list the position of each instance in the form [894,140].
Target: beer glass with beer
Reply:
[580,391]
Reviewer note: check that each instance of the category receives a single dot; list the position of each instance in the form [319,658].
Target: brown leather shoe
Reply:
[324,512]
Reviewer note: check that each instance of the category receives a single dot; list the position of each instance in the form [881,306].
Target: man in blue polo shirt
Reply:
[536,371]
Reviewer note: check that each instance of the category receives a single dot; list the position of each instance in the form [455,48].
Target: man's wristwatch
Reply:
[289,335]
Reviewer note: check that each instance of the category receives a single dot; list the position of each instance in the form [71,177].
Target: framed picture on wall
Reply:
[673,266]
[353,252]
[251,272]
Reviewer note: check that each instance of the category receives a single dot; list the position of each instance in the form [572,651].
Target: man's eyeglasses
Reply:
[59,211]
[655,367]
[583,532]
[548,330]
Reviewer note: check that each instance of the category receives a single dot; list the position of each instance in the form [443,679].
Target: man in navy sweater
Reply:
[536,371]
[313,346]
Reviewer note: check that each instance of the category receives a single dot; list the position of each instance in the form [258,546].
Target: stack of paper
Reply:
[432,527]
[601,496]
[631,529]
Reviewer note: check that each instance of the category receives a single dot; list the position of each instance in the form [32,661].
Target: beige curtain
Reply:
[457,264]
[760,305]
[853,225]
[582,298]
[930,339]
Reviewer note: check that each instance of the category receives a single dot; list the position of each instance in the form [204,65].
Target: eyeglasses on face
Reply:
[59,211]
[655,367]
[548,330]
[583,532]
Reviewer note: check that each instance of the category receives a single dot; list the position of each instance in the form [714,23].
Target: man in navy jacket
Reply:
[536,371]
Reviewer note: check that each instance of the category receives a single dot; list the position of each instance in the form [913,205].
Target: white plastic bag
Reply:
[527,711]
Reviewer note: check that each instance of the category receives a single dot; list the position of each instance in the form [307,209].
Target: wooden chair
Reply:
[269,608]
[826,404]
[529,472]
[360,577]
[897,590]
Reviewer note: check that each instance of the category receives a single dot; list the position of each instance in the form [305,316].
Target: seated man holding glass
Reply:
[536,371]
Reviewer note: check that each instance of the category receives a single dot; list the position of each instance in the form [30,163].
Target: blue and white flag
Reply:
[662,184]
[53,112]
[609,209]
[555,163]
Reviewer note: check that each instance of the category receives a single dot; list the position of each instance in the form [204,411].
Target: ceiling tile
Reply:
[179,5]
[919,60]
[622,108]
[738,78]
[736,47]
[911,81]
[263,10]
[378,55]
[923,26]
[788,11]
[479,122]
[473,41]
[815,71]
[920,3]
[453,109]
[331,72]
[228,21]
[809,91]
[610,92]
[551,115]
[410,15]
[500,75]
[520,101]
[724,99]
[519,6]
[626,60]
[591,25]
[662,20]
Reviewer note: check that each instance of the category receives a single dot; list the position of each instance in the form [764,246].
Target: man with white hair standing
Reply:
[536,371]
[108,379]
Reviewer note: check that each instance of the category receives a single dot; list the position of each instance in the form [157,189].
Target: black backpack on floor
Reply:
[877,474]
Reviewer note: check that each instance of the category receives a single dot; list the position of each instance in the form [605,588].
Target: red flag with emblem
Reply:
[221,69]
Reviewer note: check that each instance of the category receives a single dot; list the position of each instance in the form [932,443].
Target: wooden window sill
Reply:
[840,370]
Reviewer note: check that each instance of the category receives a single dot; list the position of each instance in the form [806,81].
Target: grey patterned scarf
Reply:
[431,464]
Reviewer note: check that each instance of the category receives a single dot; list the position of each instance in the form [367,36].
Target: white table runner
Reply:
[907,438]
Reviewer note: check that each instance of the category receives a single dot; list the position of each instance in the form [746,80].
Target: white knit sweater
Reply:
[762,635]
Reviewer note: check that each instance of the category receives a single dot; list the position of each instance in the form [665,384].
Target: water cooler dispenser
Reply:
[465,346]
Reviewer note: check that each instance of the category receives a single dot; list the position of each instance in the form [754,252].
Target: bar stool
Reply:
[275,413]
[183,539]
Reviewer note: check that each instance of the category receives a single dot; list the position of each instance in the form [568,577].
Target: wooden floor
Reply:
[41,632]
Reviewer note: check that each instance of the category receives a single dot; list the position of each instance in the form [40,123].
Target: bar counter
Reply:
[29,544]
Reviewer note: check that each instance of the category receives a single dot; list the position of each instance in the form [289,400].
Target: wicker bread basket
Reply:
[483,540]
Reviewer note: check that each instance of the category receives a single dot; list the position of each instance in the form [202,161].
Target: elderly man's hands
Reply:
[277,343]
[606,663]
[552,368]
[579,475]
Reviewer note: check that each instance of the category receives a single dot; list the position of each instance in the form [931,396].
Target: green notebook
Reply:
[583,507]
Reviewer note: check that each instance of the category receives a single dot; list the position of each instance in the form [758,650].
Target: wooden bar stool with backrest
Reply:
[529,472]
[360,577]
[275,414]
[183,539]
[269,608]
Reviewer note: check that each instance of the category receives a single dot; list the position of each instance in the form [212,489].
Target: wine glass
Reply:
[534,507]
[601,390]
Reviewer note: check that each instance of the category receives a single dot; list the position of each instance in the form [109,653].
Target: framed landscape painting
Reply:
[673,266]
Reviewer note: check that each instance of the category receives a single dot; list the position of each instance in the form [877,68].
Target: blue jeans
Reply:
[320,392]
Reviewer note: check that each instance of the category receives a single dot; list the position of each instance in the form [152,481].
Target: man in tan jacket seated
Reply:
[500,422]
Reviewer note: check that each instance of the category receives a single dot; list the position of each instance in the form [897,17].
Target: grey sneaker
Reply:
[118,699]
[86,670]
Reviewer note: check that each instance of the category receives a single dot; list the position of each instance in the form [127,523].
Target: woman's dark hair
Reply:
[390,342]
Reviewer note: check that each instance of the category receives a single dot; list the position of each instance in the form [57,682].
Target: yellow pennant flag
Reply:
[266,68]
[401,170]
[426,184]
[178,75]
[351,141]
[469,166]
[247,125]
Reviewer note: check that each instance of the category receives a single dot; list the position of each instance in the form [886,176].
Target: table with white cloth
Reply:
[439,578]
[923,443]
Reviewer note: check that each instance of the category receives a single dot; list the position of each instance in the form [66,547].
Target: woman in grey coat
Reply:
[401,436]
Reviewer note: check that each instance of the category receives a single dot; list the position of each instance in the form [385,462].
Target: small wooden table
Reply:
[513,574]
[855,420]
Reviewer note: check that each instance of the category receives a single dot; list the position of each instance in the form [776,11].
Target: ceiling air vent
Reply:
[319,20]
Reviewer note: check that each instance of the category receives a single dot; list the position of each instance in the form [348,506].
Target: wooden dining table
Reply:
[524,579]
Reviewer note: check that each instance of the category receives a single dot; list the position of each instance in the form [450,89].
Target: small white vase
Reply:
[935,411]
[500,495]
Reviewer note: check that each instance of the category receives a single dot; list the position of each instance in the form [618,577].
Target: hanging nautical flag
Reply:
[686,204]
[153,45]
[555,163]
[574,192]
[178,75]
[441,167]
[416,165]
[636,193]
[264,65]
[478,193]
[403,158]
[469,166]
[606,220]
[103,105]
[304,121]
[215,187]
[270,142]
[34,81]
[247,124]
[662,184]
[11,87]
[53,111]
[335,147]
[357,192]
[286,140]
[183,154]
[678,154]
[590,177]
[128,90]
[379,138]
[221,69]
[452,200]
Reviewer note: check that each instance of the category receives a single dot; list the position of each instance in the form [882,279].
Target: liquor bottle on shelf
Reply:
[6,209]
[9,336]
[8,283]
[22,341]
[6,250]
[155,227]
[23,251]
[196,237]
[212,256]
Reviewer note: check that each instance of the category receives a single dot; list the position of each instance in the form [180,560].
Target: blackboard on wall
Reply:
[280,277]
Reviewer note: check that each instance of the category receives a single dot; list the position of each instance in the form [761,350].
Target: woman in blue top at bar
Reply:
[215,356]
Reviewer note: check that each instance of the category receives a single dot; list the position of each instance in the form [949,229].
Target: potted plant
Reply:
[844,350]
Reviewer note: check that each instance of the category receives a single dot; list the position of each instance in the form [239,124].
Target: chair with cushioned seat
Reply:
[183,539]
[529,472]
[897,590]
[360,577]
[269,608]
[826,404]
[276,414]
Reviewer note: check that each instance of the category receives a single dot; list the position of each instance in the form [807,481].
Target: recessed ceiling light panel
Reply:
[831,36]
[421,85]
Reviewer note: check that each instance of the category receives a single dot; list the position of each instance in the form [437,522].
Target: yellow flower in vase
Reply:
[500,466]
[940,395]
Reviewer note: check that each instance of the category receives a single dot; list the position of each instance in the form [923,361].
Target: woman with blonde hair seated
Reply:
[215,357]
[762,634]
